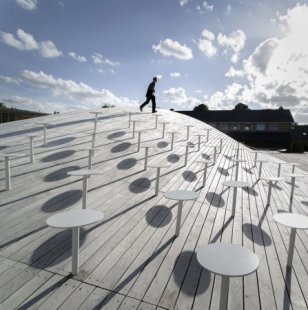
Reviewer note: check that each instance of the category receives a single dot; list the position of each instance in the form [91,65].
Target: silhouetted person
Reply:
[150,96]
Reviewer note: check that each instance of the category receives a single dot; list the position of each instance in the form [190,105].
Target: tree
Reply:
[241,107]
[201,107]
[2,105]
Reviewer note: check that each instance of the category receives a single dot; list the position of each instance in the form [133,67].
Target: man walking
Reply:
[150,96]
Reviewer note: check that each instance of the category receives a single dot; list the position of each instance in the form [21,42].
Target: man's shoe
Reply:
[154,111]
[140,108]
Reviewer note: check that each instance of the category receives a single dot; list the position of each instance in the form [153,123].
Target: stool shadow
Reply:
[60,174]
[250,191]
[159,216]
[276,186]
[305,203]
[222,171]
[215,199]
[58,156]
[247,170]
[206,157]
[189,176]
[126,163]
[115,135]
[62,201]
[56,249]
[162,144]
[187,272]
[256,234]
[173,158]
[59,141]
[121,147]
[140,185]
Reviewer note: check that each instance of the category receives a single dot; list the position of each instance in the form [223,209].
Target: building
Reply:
[258,128]
[12,114]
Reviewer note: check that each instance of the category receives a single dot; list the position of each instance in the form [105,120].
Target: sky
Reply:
[61,55]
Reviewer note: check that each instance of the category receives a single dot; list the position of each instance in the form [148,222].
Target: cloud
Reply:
[175,74]
[183,2]
[207,47]
[9,80]
[26,42]
[179,97]
[99,59]
[77,57]
[208,35]
[171,48]
[235,41]
[232,72]
[84,94]
[204,7]
[27,4]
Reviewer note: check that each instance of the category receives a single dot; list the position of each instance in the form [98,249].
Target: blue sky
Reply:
[58,55]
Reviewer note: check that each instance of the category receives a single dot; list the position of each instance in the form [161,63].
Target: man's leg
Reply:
[145,103]
[153,104]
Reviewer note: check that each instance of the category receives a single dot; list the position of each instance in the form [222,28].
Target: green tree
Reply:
[241,107]
[2,105]
[201,107]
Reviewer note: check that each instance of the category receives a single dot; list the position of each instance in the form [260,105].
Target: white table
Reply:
[156,120]
[85,174]
[206,164]
[279,167]
[235,185]
[158,168]
[45,125]
[261,162]
[187,146]
[256,154]
[172,138]
[134,127]
[90,155]
[237,163]
[270,180]
[199,141]
[188,127]
[146,155]
[164,128]
[294,221]
[293,166]
[293,176]
[7,157]
[180,196]
[75,219]
[227,260]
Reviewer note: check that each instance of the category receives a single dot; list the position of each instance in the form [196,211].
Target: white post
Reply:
[215,153]
[139,141]
[164,127]
[172,140]
[269,193]
[157,181]
[293,168]
[75,250]
[234,201]
[146,158]
[45,134]
[84,191]
[129,119]
[291,246]
[260,169]
[187,137]
[156,122]
[199,142]
[224,291]
[134,124]
[292,193]
[95,123]
[204,174]
[220,145]
[7,172]
[31,150]
[279,169]
[178,218]
[90,159]
[207,135]
[93,141]
[186,156]
[236,170]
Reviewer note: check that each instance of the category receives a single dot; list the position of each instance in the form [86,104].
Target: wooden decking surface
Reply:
[132,260]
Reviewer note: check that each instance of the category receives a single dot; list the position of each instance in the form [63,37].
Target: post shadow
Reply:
[60,174]
[62,201]
[159,216]
[205,156]
[189,176]
[127,163]
[58,156]
[287,289]
[187,265]
[221,230]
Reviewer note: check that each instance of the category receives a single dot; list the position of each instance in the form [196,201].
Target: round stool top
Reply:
[31,136]
[272,178]
[136,120]
[281,163]
[238,160]
[294,164]
[261,161]
[158,165]
[164,123]
[181,195]
[294,175]
[292,220]
[96,112]
[235,184]
[11,155]
[190,126]
[75,218]
[229,260]
[84,172]
[43,124]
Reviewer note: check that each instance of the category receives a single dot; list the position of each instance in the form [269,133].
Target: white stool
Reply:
[235,185]
[164,128]
[158,167]
[146,155]
[187,146]
[90,155]
[134,127]
[206,164]
[7,157]
[85,174]
[96,113]
[180,196]
[238,149]
[75,219]
[188,127]
[293,166]
[270,181]
[237,163]
[156,120]
[279,168]
[31,148]
[227,260]
[199,141]
[45,125]
[293,176]
[215,151]
[294,221]
[261,162]
[172,139]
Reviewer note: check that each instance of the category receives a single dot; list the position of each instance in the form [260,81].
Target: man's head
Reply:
[155,79]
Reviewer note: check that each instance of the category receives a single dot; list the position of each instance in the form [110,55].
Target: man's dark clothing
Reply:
[150,96]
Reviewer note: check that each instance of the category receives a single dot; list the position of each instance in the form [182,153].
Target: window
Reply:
[235,126]
[247,127]
[224,126]
[273,126]
[260,127]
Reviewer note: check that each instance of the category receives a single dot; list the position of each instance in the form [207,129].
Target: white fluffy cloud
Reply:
[175,74]
[276,71]
[82,93]
[235,41]
[171,48]
[183,2]
[77,57]
[26,42]
[27,4]
[206,44]
[232,72]
[205,7]
[179,97]
[100,59]
[9,80]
